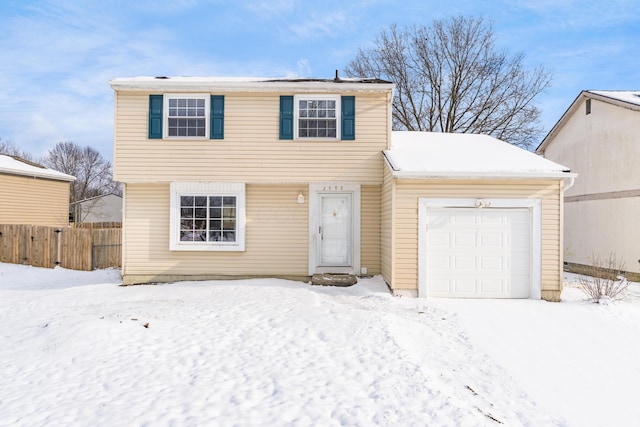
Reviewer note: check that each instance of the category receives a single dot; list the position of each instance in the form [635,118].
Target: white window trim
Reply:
[312,97]
[207,189]
[165,113]
[535,207]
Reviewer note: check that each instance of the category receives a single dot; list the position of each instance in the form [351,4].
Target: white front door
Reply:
[335,230]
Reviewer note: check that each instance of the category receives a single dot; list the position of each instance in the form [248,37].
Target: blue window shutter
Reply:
[348,118]
[286,117]
[216,130]
[155,116]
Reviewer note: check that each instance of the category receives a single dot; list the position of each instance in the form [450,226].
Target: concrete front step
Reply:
[332,279]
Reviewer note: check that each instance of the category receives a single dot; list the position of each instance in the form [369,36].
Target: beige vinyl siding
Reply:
[36,201]
[276,236]
[405,247]
[250,151]
[386,226]
[370,228]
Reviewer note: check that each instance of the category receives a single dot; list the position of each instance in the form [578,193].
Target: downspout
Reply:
[572,180]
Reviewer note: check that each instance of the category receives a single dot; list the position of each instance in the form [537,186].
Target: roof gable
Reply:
[620,98]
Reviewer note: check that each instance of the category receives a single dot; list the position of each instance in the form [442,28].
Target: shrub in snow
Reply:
[604,282]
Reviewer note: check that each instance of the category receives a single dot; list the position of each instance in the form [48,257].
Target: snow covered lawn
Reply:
[77,349]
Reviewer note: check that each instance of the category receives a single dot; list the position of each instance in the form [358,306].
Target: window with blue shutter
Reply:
[348,118]
[286,117]
[216,130]
[155,116]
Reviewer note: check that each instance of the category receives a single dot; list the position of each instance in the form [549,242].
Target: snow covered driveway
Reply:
[79,350]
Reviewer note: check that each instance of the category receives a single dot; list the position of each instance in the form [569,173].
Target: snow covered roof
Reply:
[259,84]
[457,155]
[629,96]
[16,166]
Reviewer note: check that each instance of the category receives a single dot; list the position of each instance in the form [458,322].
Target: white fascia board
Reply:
[169,85]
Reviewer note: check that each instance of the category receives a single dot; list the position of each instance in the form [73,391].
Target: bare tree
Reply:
[92,171]
[450,77]
[9,148]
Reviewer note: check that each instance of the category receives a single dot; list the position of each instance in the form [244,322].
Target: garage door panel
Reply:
[493,287]
[492,239]
[464,262]
[478,252]
[464,239]
[465,286]
[439,238]
[496,263]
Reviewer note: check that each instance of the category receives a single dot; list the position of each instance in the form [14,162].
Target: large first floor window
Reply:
[207,216]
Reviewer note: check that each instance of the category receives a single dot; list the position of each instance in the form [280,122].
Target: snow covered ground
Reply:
[77,349]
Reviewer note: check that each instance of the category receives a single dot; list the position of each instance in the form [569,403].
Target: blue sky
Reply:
[57,56]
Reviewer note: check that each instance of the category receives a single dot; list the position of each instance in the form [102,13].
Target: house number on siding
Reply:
[332,188]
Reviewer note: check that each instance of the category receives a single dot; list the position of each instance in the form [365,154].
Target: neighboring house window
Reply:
[317,117]
[207,216]
[188,116]
[587,107]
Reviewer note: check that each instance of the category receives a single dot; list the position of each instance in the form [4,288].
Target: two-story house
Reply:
[249,177]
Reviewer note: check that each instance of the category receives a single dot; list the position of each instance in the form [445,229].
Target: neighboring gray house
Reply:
[105,208]
[599,138]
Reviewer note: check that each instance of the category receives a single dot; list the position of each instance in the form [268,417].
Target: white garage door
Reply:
[478,253]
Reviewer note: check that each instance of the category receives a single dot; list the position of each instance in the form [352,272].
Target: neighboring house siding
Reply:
[277,236]
[37,201]
[405,240]
[600,228]
[251,150]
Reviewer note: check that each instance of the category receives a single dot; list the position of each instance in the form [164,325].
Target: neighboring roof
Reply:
[259,84]
[97,197]
[458,155]
[628,96]
[629,99]
[16,166]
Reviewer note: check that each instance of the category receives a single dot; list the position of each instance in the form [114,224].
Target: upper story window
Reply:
[186,116]
[317,116]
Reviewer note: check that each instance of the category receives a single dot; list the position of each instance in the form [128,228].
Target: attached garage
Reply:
[470,216]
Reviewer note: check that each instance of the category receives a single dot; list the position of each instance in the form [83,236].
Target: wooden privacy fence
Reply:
[73,248]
